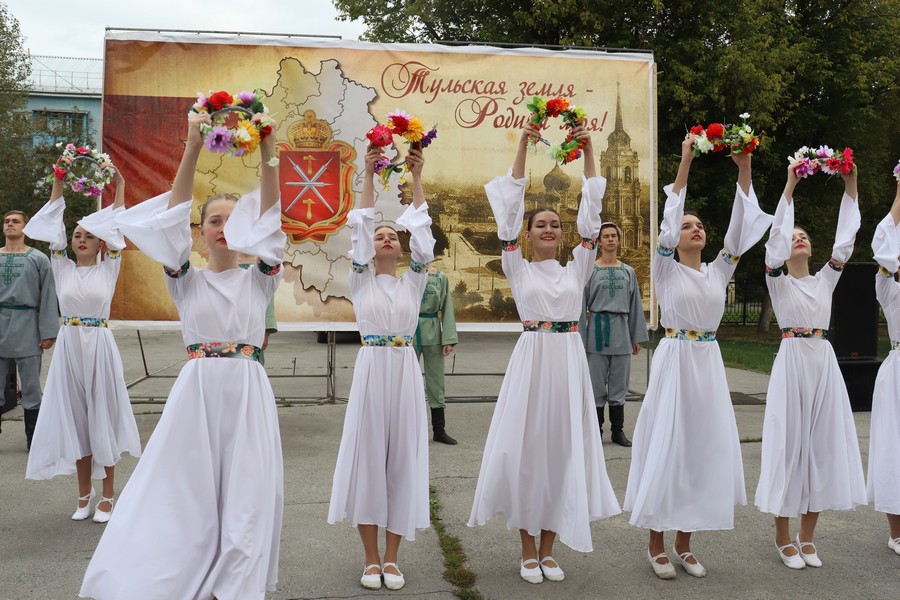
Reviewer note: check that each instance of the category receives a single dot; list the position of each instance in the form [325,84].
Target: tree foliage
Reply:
[812,72]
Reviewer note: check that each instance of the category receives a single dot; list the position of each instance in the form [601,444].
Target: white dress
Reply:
[884,437]
[86,410]
[201,514]
[543,464]
[810,453]
[686,470]
[381,475]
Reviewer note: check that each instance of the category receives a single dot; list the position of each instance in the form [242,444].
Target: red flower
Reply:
[834,163]
[83,150]
[751,146]
[58,173]
[555,106]
[697,129]
[380,136]
[715,131]
[264,131]
[398,124]
[220,99]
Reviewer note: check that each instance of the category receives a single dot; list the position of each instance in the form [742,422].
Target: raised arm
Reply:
[416,162]
[684,167]
[895,207]
[56,192]
[119,202]
[518,168]
[373,155]
[590,165]
[745,171]
[183,187]
[268,181]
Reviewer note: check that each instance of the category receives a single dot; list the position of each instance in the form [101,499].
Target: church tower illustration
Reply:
[622,202]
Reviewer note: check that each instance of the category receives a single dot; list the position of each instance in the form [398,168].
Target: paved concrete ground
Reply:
[43,554]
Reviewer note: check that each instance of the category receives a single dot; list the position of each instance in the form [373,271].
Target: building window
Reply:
[627,174]
[60,126]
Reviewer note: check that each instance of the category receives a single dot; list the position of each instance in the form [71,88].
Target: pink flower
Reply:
[380,135]
[246,97]
[218,139]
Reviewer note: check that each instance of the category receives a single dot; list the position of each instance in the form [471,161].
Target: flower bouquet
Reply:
[716,137]
[410,129]
[822,159]
[83,169]
[573,116]
[239,121]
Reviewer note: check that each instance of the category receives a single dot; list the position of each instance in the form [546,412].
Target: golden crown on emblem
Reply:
[310,132]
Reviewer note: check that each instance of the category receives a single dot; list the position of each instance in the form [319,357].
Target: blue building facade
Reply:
[66,95]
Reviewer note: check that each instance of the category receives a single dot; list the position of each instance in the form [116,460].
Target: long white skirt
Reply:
[201,515]
[884,438]
[381,475]
[686,470]
[85,409]
[810,453]
[543,465]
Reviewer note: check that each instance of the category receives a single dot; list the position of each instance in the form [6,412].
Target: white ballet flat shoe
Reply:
[531,574]
[371,581]
[894,544]
[102,516]
[791,562]
[82,513]
[663,571]
[391,581]
[812,559]
[693,569]
[551,573]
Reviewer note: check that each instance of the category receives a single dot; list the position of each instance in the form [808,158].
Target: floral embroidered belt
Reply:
[895,345]
[551,326]
[386,340]
[804,332]
[691,335]
[83,321]
[223,350]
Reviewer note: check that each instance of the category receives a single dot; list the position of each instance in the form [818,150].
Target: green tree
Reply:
[15,154]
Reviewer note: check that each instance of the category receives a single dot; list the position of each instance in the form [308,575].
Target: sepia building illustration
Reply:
[470,253]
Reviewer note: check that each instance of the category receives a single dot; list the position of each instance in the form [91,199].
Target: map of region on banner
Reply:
[324,95]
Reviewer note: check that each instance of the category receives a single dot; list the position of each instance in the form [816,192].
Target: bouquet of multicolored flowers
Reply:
[822,159]
[239,121]
[897,172]
[83,169]
[410,129]
[716,137]
[573,116]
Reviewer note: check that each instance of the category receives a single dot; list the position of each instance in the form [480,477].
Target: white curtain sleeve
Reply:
[103,225]
[848,224]
[748,223]
[258,235]
[592,191]
[778,246]
[421,241]
[885,244]
[160,232]
[673,213]
[47,225]
[507,198]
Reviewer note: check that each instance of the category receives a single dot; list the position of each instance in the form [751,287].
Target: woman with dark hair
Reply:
[86,422]
[381,476]
[810,453]
[686,470]
[884,441]
[201,515]
[543,465]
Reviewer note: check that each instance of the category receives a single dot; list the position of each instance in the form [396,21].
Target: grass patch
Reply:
[742,347]
[456,570]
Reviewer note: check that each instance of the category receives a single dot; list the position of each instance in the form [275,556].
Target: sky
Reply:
[77,29]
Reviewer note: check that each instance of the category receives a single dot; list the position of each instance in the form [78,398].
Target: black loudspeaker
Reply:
[10,393]
[854,331]
[854,313]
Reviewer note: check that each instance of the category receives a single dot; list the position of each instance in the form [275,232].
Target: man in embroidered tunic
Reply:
[435,339]
[613,327]
[29,317]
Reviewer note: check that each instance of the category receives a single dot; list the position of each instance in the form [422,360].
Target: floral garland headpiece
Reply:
[83,169]
[822,159]
[239,121]
[716,137]
[410,129]
[897,172]
[573,116]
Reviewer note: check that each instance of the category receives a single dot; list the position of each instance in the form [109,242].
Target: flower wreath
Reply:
[409,128]
[823,159]
[230,134]
[89,179]
[716,137]
[897,172]
[541,110]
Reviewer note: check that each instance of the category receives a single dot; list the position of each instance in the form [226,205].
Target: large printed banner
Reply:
[325,96]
